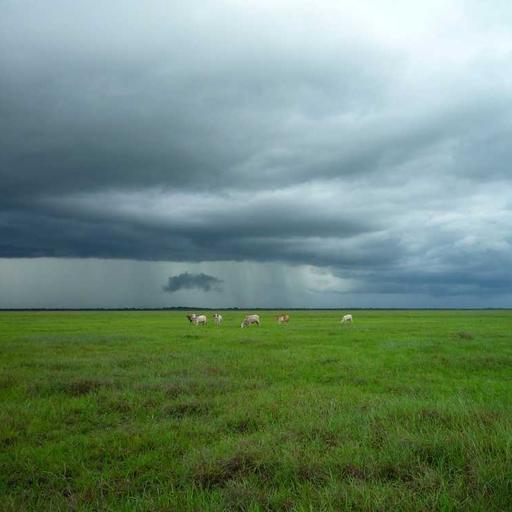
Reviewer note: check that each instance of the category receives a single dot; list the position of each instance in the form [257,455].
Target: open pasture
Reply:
[408,410]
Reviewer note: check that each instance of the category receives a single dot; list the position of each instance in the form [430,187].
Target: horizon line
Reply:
[186,308]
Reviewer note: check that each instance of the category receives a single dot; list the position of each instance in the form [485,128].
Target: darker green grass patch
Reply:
[212,371]
[378,433]
[464,335]
[251,341]
[328,360]
[484,362]
[119,403]
[188,408]
[192,336]
[244,425]
[242,496]
[312,471]
[75,387]
[352,471]
[139,361]
[438,418]
[7,381]
[176,389]
[51,366]
[9,437]
[81,387]
[59,481]
[439,455]
[202,383]
[246,461]
[329,438]
[488,419]
[394,472]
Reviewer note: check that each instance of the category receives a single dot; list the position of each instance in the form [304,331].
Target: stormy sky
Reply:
[255,153]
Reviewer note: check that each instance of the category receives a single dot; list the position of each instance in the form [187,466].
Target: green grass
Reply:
[142,411]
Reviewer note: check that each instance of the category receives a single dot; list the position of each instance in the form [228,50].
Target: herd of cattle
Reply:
[248,320]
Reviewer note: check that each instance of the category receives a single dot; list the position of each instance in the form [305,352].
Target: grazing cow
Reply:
[249,320]
[283,319]
[200,320]
[191,317]
[346,318]
[217,319]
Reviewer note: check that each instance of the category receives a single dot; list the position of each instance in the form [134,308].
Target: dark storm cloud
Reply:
[214,131]
[188,281]
[147,116]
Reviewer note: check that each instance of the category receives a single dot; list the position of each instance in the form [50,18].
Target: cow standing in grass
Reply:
[200,320]
[346,319]
[197,319]
[217,319]
[283,319]
[250,320]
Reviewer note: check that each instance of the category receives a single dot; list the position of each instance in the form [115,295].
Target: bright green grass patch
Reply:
[142,411]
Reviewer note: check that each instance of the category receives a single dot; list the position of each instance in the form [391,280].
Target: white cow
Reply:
[217,319]
[249,320]
[199,320]
[346,318]
[283,319]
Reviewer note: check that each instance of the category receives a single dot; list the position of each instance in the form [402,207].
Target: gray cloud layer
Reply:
[189,281]
[374,144]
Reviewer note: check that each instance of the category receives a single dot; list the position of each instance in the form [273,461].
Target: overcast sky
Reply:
[255,153]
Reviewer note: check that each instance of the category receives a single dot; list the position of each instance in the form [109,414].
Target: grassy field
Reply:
[142,411]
